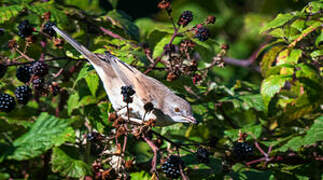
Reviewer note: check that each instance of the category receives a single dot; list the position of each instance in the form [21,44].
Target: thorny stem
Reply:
[155,150]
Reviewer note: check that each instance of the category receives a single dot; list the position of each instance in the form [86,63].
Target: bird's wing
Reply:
[147,88]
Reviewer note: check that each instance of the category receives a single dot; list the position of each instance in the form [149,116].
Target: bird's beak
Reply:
[190,119]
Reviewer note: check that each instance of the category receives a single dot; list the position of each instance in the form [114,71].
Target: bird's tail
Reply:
[80,48]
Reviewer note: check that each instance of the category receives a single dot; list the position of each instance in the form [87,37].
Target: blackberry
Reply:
[171,166]
[202,33]
[25,29]
[185,18]
[3,70]
[202,155]
[7,102]
[38,83]
[127,92]
[23,73]
[49,30]
[92,137]
[39,68]
[242,150]
[23,94]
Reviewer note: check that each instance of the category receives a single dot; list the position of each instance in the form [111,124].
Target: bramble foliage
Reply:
[259,118]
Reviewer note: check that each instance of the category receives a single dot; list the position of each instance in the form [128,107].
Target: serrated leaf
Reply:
[268,59]
[7,12]
[280,20]
[67,164]
[246,101]
[92,80]
[48,131]
[83,73]
[313,135]
[159,48]
[57,15]
[72,103]
[271,86]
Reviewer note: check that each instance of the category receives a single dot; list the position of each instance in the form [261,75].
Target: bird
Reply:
[168,108]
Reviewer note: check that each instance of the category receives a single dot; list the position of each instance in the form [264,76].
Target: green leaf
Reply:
[313,135]
[92,80]
[271,86]
[7,12]
[268,59]
[123,21]
[48,131]
[294,56]
[280,20]
[83,73]
[113,3]
[72,103]
[246,101]
[159,48]
[57,15]
[66,163]
[317,53]
[319,39]
[233,134]
[142,175]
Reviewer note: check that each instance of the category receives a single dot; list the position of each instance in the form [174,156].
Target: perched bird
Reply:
[168,108]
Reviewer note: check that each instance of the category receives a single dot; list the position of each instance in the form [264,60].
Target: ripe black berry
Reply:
[242,150]
[25,29]
[39,68]
[202,155]
[7,102]
[171,166]
[23,94]
[23,73]
[38,83]
[202,33]
[49,30]
[92,137]
[127,92]
[185,18]
[3,70]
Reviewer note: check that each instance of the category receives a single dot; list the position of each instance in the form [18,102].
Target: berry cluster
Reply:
[127,92]
[242,150]
[25,29]
[39,68]
[3,70]
[202,155]
[23,94]
[202,33]
[49,30]
[171,166]
[7,102]
[185,18]
[23,73]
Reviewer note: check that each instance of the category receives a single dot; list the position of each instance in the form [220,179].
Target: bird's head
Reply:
[179,110]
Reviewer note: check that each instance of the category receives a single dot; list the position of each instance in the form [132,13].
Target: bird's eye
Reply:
[177,109]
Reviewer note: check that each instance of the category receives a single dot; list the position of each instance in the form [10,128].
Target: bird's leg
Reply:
[155,150]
